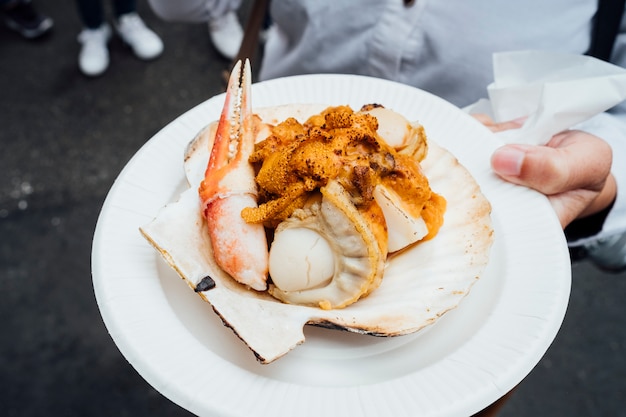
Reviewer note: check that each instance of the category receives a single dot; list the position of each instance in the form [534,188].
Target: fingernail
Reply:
[508,161]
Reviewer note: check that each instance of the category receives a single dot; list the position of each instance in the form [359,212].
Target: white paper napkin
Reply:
[554,91]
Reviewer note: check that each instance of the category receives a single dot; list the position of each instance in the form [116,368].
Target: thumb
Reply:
[573,171]
[572,164]
[544,169]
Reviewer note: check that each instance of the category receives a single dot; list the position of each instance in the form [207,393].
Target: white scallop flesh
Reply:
[300,259]
[393,127]
[404,136]
[358,259]
[403,228]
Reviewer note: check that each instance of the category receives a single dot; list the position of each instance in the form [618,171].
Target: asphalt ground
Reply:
[65,138]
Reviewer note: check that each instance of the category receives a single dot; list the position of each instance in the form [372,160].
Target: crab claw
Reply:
[239,248]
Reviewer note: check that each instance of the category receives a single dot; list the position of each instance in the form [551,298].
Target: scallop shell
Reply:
[413,293]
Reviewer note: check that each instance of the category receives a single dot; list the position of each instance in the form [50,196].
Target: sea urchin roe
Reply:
[337,144]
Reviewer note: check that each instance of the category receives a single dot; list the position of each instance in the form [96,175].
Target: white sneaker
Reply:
[93,58]
[145,43]
[226,34]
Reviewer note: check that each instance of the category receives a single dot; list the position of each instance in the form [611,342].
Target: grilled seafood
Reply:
[358,249]
[365,186]
[337,159]
[239,247]
[420,285]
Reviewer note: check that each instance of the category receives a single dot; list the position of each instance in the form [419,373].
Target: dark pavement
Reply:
[65,138]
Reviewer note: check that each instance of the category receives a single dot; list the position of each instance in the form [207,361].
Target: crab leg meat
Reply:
[239,248]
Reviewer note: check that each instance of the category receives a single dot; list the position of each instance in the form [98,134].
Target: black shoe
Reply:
[24,19]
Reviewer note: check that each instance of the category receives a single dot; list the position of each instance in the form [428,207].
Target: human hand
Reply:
[572,170]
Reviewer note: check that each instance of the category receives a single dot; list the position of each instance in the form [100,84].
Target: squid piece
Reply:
[239,248]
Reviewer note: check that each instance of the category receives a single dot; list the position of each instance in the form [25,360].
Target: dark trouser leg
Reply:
[121,7]
[91,13]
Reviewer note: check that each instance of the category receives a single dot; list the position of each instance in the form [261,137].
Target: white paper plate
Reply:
[472,356]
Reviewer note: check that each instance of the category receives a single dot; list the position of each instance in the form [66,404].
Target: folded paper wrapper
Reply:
[553,91]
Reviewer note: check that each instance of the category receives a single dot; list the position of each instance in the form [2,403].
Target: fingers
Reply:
[581,202]
[541,168]
[572,170]
[572,160]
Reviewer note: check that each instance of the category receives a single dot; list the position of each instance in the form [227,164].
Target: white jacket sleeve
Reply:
[611,126]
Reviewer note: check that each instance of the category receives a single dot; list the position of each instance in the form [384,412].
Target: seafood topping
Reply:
[330,187]
[335,195]
[239,247]
[294,212]
[337,144]
[333,201]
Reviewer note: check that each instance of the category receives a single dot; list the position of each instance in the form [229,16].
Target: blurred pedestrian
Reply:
[22,17]
[223,24]
[93,58]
